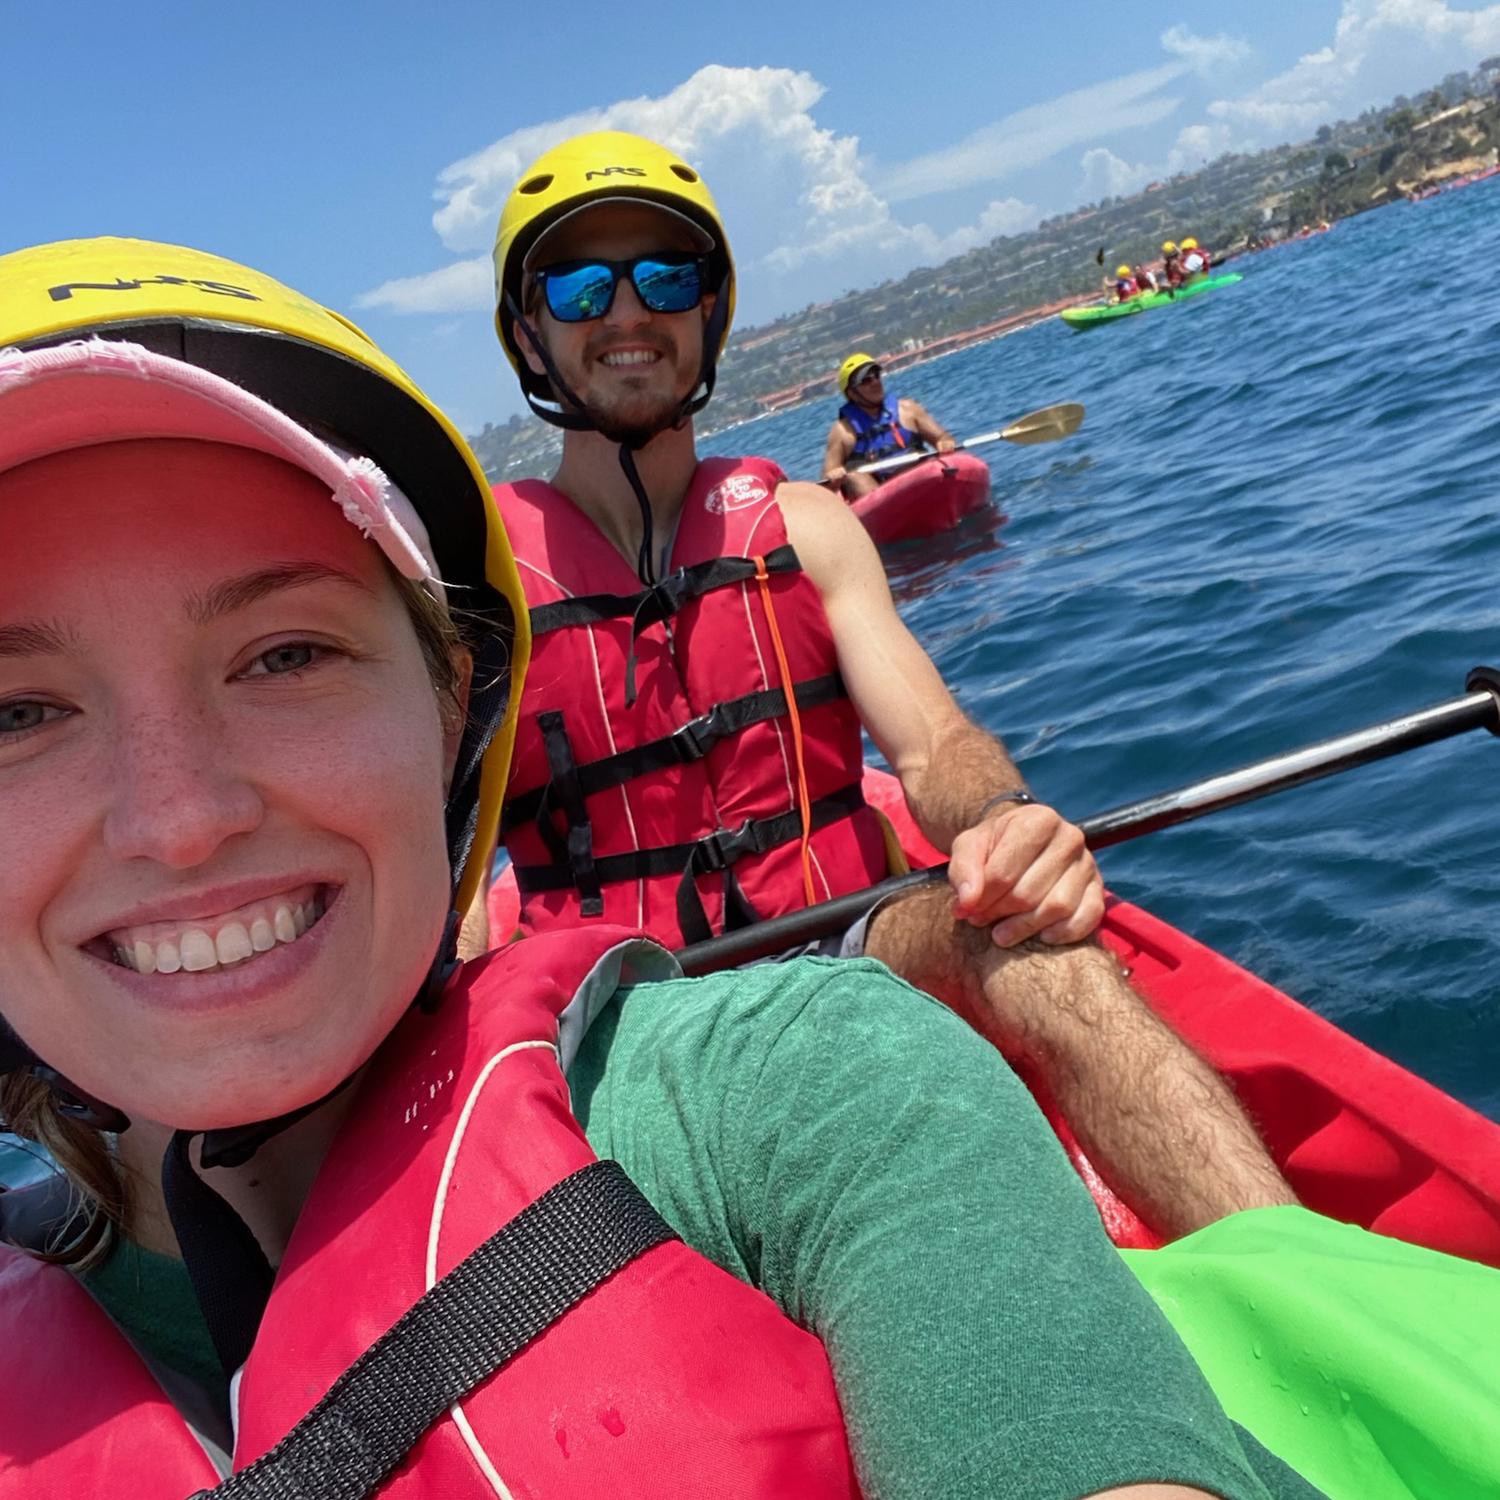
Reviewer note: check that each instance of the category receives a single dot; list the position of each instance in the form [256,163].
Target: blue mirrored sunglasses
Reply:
[579,290]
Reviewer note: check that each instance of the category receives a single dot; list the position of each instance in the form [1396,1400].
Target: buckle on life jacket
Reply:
[698,736]
[721,848]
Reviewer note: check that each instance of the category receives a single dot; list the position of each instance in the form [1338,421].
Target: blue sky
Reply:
[361,151]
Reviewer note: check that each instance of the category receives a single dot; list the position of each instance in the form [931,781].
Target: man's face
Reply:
[632,368]
[868,388]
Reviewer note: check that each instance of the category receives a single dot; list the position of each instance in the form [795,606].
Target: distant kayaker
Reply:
[1195,260]
[1145,278]
[872,425]
[253,760]
[1171,256]
[1123,286]
[713,639]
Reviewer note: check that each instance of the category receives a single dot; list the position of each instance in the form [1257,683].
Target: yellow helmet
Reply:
[315,366]
[1190,243]
[1169,248]
[592,168]
[1122,270]
[851,367]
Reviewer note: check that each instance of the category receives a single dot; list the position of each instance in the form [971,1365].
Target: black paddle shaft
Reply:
[1479,708]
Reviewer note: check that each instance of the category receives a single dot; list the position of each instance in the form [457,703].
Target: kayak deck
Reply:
[1083,318]
[928,498]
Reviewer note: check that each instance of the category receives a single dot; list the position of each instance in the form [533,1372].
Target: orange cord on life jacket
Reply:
[804,801]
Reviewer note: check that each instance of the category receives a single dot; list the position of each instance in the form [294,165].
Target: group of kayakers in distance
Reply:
[1181,263]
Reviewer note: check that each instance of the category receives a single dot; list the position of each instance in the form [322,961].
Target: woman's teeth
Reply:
[229,940]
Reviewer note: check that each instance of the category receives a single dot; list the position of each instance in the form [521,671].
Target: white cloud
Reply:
[463,286]
[1380,48]
[1106,175]
[1034,135]
[805,216]
[1007,216]
[1204,54]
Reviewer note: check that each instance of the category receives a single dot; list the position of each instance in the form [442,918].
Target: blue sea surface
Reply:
[1280,521]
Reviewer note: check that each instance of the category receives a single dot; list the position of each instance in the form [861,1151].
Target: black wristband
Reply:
[1016,795]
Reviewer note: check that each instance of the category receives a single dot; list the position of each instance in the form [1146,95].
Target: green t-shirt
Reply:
[844,1142]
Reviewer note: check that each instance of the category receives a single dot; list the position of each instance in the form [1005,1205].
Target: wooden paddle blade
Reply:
[1047,425]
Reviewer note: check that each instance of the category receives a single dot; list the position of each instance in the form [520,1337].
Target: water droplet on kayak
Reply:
[1256,1350]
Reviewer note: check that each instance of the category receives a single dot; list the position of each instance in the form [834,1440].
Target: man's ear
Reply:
[527,347]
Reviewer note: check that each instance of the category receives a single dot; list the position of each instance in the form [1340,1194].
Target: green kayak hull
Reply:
[1091,317]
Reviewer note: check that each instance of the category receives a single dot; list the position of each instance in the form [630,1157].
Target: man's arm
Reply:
[926,426]
[836,454]
[1021,868]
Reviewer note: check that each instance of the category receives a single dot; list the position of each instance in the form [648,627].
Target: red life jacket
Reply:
[676,808]
[671,1378]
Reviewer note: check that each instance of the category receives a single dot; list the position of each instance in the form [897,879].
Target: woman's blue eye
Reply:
[292,657]
[25,714]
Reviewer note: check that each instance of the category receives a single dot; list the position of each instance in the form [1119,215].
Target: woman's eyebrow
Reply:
[237,593]
[37,638]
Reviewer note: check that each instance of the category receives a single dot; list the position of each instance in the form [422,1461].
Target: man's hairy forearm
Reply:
[1161,1126]
[963,768]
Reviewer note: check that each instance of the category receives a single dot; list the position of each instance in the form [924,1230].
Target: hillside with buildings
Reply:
[1234,203]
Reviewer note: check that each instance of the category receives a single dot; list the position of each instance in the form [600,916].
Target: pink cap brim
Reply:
[96,390]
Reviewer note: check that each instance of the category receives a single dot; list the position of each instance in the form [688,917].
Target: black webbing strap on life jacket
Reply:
[680,748]
[563,791]
[484,1312]
[660,601]
[663,599]
[718,851]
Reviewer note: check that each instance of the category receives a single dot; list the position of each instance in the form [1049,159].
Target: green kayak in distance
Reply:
[1083,318]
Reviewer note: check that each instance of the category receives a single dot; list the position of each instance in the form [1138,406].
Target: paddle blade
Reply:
[1045,426]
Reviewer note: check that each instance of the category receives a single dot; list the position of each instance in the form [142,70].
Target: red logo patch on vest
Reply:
[735,493]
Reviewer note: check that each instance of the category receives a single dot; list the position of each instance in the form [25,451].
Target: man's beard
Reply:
[629,420]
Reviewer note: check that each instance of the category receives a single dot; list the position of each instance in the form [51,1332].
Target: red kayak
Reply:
[925,499]
[1359,1138]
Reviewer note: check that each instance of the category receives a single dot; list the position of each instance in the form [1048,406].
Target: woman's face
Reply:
[222,769]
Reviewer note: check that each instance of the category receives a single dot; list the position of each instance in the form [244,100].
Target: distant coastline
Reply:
[1405,150]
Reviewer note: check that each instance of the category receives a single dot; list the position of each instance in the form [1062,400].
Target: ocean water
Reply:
[1280,521]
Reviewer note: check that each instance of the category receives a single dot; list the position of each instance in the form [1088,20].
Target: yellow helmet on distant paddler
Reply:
[1122,270]
[851,367]
[1169,248]
[315,366]
[1190,243]
[589,169]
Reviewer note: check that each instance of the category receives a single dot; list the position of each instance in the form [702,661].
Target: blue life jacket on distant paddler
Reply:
[877,434]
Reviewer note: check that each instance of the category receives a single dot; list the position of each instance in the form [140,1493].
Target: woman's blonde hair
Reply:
[85,1156]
